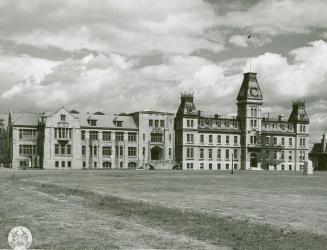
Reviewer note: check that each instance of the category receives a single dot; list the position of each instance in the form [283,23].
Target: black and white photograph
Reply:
[163,124]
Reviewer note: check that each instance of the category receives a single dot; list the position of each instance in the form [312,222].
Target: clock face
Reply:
[254,91]
[302,116]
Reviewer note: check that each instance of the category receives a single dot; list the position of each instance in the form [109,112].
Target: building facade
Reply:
[191,139]
[318,155]
[70,140]
[246,141]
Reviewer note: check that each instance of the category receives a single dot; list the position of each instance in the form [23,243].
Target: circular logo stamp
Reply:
[20,238]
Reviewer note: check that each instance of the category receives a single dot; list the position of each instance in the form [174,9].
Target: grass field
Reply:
[165,209]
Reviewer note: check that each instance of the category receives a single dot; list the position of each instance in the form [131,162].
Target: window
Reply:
[188,123]
[218,166]
[132,165]
[283,141]
[83,134]
[121,164]
[275,155]
[84,164]
[290,155]
[143,137]
[156,137]
[290,141]
[62,118]
[106,135]
[106,164]
[121,151]
[210,153]
[143,151]
[156,123]
[162,123]
[27,149]
[93,135]
[190,138]
[290,167]
[210,139]
[83,150]
[63,164]
[189,153]
[95,164]
[119,136]
[132,137]
[201,165]
[192,125]
[235,154]
[201,138]
[189,165]
[69,149]
[227,139]
[169,137]
[227,154]
[95,150]
[169,152]
[106,151]
[210,165]
[69,164]
[92,122]
[57,164]
[219,139]
[283,167]
[27,134]
[56,149]
[275,140]
[219,153]
[227,166]
[235,139]
[131,151]
[282,156]
[201,153]
[150,123]
[235,166]
[63,133]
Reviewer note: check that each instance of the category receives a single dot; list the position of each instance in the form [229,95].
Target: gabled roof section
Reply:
[108,121]
[250,89]
[26,119]
[298,113]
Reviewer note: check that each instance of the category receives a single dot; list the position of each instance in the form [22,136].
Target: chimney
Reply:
[281,118]
[323,143]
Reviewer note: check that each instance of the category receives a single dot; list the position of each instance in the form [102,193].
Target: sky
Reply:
[125,55]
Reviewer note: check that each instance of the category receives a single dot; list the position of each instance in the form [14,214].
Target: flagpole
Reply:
[249,36]
[250,64]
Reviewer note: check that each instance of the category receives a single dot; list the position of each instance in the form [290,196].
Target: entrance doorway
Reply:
[253,160]
[156,153]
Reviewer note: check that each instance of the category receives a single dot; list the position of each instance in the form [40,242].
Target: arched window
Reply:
[106,164]
[132,165]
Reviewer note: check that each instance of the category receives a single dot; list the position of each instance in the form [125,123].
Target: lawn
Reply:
[166,209]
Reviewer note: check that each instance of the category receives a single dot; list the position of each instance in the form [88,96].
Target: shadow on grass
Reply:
[220,231]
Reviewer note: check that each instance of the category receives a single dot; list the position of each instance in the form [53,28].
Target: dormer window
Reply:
[62,118]
[92,122]
[118,123]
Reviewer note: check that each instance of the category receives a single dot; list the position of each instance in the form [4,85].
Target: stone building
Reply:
[318,155]
[68,139]
[246,141]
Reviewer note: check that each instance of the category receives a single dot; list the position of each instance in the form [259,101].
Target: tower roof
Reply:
[250,89]
[187,106]
[298,113]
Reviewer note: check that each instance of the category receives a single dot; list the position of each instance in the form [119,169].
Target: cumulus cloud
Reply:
[273,17]
[127,27]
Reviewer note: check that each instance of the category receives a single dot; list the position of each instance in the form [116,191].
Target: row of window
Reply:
[190,153]
[27,149]
[27,134]
[274,155]
[275,126]
[290,167]
[107,151]
[63,164]
[274,141]
[106,136]
[219,123]
[108,164]
[156,123]
[63,149]
[63,133]
[190,139]
[191,166]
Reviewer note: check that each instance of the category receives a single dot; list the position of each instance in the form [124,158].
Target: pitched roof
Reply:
[316,149]
[250,88]
[26,119]
[107,121]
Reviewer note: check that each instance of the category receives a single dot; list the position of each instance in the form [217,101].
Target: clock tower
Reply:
[249,102]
